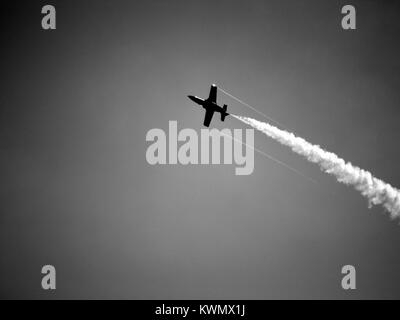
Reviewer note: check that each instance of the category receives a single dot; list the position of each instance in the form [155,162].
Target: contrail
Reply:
[374,189]
[252,108]
[270,157]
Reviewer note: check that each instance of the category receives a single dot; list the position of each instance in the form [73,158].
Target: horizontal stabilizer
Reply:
[224,113]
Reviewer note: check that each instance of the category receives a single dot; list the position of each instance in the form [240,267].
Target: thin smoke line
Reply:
[252,108]
[272,158]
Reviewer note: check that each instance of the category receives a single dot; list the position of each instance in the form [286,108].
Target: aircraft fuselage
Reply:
[206,104]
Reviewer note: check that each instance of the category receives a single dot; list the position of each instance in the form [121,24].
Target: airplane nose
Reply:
[195,99]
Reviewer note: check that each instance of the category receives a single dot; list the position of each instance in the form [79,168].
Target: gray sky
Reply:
[76,189]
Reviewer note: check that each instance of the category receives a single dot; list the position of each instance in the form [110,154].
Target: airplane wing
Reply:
[208,117]
[213,93]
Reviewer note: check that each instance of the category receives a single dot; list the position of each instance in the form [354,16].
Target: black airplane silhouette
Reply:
[211,106]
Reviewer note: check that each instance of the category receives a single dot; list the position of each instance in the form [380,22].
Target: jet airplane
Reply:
[211,106]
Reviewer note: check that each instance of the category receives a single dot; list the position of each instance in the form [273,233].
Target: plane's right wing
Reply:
[208,117]
[213,93]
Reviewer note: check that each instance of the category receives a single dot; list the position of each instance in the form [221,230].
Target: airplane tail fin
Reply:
[224,114]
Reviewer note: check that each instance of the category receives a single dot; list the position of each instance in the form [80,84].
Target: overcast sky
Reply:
[76,191]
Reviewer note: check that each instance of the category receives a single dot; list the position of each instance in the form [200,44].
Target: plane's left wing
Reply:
[208,117]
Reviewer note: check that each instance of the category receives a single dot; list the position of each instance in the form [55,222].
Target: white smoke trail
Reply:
[375,190]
